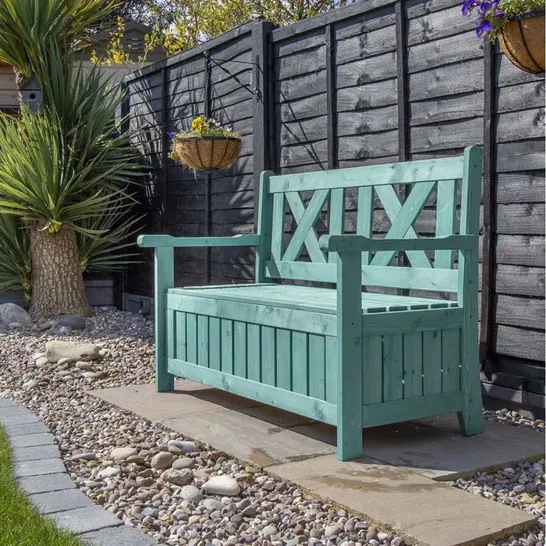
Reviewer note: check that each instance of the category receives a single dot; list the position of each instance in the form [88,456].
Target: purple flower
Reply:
[171,135]
[499,13]
[484,28]
[468,5]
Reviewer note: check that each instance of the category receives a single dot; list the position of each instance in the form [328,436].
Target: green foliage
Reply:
[178,25]
[15,265]
[27,26]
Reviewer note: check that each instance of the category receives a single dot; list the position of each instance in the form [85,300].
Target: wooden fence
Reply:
[376,82]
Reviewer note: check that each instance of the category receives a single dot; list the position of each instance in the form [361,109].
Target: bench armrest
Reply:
[359,243]
[155,241]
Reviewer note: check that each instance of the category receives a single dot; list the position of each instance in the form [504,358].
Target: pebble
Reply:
[109,472]
[184,447]
[122,453]
[212,504]
[162,460]
[178,477]
[191,494]
[30,385]
[222,485]
[182,463]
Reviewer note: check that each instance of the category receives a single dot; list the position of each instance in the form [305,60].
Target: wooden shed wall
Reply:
[375,82]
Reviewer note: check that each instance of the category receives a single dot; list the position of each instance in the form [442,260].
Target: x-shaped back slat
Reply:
[305,232]
[402,218]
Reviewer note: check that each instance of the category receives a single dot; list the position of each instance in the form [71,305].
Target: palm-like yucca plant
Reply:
[67,166]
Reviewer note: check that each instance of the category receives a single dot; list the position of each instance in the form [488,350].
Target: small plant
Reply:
[201,126]
[493,15]
[208,146]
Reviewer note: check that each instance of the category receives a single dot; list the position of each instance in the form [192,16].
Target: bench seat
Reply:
[309,298]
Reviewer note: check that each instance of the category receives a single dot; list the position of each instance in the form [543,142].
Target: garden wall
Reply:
[376,82]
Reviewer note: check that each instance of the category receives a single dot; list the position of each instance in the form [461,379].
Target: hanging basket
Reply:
[208,153]
[522,41]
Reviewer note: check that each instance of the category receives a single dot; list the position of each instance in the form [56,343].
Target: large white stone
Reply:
[71,350]
[225,486]
[11,313]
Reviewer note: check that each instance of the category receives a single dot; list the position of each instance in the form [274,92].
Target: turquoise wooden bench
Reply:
[342,356]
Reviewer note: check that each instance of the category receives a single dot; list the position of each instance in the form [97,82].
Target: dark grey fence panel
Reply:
[376,82]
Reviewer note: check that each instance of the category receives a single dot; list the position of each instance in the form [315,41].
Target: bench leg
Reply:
[470,418]
[349,339]
[164,279]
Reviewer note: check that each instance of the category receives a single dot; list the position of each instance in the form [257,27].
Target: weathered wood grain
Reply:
[520,250]
[453,49]
[367,121]
[300,63]
[365,45]
[524,219]
[519,280]
[522,312]
[434,111]
[437,25]
[525,155]
[523,187]
[367,96]
[520,97]
[519,342]
[301,109]
[380,67]
[299,87]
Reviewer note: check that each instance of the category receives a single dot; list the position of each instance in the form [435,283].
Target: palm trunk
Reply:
[57,281]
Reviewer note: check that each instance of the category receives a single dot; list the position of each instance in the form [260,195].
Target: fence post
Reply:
[260,35]
[207,113]
[164,146]
[489,209]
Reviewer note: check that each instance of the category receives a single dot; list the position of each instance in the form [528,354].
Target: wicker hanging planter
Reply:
[522,41]
[208,153]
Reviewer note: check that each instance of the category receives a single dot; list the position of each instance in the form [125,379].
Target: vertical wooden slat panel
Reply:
[393,371]
[372,369]
[180,335]
[299,362]
[317,371]
[413,364]
[226,328]
[450,360]
[331,369]
[446,211]
[171,329]
[203,341]
[284,359]
[239,348]
[254,343]
[191,337]
[268,369]
[365,217]
[432,362]
[215,347]
[278,226]
[336,217]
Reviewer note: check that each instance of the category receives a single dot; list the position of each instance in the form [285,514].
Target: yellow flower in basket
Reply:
[199,125]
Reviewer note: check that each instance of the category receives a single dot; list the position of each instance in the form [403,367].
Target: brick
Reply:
[118,536]
[84,520]
[36,468]
[46,482]
[25,429]
[60,501]
[34,453]
[41,439]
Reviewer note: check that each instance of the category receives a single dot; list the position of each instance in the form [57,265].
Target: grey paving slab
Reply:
[8,411]
[84,520]
[25,429]
[418,508]
[118,536]
[5,402]
[435,447]
[34,453]
[19,418]
[37,468]
[59,501]
[45,483]
[41,439]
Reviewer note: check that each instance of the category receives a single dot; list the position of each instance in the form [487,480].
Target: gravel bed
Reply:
[148,476]
[156,480]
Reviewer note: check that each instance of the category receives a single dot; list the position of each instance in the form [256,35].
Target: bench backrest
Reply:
[443,194]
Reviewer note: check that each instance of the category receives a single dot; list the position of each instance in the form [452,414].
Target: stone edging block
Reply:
[41,473]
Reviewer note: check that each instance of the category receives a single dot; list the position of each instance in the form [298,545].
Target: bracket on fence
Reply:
[252,90]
